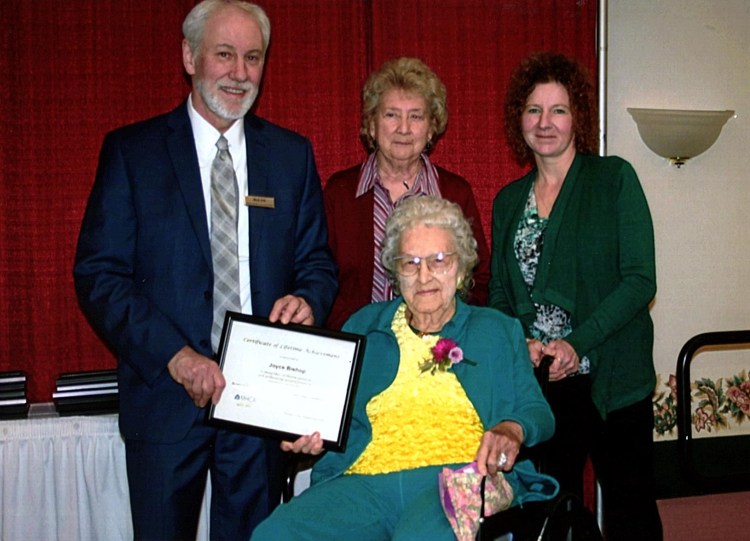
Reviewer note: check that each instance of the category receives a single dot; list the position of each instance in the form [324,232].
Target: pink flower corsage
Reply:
[445,354]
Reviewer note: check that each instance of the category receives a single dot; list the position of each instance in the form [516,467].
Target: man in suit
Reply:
[144,275]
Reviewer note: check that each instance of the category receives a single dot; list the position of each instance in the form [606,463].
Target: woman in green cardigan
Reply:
[573,259]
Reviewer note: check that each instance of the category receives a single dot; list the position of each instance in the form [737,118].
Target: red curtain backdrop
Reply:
[72,70]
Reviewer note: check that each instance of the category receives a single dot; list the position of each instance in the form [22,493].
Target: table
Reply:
[64,478]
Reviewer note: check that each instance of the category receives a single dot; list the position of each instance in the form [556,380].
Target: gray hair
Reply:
[430,211]
[195,22]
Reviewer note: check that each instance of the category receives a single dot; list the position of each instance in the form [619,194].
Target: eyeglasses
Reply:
[438,264]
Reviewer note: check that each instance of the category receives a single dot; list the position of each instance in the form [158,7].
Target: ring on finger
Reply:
[502,460]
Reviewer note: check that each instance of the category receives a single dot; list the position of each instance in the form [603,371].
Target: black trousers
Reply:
[621,450]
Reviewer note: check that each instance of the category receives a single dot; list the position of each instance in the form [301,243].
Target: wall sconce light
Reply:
[679,135]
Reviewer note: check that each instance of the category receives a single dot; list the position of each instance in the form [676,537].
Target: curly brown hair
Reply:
[547,68]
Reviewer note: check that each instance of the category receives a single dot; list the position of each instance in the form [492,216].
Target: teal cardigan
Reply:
[597,263]
[501,385]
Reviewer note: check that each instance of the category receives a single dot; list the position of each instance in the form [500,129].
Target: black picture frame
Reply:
[285,381]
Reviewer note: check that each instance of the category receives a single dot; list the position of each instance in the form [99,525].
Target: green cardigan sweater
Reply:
[597,263]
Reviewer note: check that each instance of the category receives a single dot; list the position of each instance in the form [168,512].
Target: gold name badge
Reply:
[260,201]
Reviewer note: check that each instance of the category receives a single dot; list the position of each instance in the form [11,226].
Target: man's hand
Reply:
[292,309]
[200,376]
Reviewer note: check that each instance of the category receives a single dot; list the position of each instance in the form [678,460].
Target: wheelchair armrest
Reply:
[293,464]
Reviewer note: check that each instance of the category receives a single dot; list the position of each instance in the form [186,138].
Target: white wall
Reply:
[689,54]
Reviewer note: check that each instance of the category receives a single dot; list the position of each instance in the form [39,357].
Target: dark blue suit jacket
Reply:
[143,271]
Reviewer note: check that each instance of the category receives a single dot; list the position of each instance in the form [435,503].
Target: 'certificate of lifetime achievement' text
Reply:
[285,381]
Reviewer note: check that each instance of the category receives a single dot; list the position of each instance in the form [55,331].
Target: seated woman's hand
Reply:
[499,448]
[311,445]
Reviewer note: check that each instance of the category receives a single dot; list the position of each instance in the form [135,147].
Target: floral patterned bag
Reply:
[461,498]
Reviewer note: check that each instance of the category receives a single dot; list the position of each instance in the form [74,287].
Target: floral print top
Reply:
[552,322]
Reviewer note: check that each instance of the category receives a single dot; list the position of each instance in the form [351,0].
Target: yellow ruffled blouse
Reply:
[424,418]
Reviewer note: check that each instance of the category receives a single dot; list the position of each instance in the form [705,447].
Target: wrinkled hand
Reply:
[566,359]
[535,350]
[199,375]
[311,445]
[292,309]
[505,437]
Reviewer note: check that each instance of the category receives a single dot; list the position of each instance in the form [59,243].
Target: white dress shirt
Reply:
[206,136]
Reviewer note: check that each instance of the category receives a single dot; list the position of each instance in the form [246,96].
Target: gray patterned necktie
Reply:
[226,265]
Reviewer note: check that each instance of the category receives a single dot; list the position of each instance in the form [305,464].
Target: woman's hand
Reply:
[499,448]
[535,350]
[311,445]
[566,359]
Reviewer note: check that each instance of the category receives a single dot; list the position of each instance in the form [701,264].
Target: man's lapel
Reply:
[257,180]
[181,145]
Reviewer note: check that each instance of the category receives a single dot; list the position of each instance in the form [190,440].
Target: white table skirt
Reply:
[64,478]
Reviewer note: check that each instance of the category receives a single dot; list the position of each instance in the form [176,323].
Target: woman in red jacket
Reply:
[403,114]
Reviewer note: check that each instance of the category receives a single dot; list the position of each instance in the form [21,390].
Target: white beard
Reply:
[215,104]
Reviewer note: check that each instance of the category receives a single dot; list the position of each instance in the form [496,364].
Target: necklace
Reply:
[409,319]
[415,346]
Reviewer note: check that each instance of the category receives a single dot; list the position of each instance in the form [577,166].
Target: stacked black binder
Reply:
[13,401]
[86,393]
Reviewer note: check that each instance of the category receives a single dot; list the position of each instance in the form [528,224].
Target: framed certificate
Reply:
[285,381]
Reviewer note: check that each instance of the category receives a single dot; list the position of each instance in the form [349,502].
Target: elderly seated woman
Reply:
[415,412]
